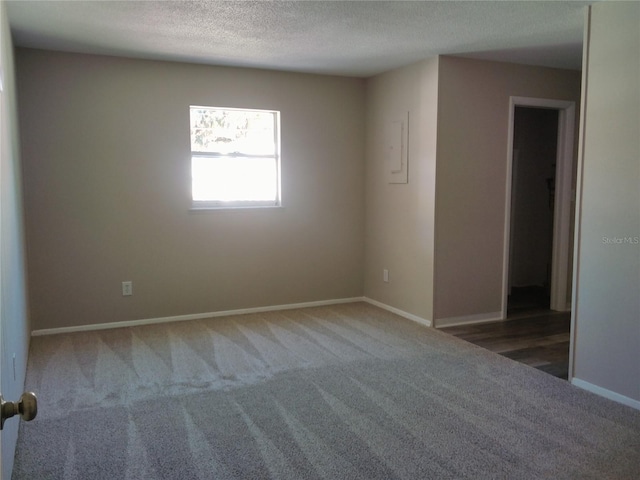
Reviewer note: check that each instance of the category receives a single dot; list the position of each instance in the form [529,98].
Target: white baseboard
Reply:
[603,392]
[397,311]
[194,316]
[469,319]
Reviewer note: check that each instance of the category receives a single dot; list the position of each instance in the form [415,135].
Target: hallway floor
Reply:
[533,335]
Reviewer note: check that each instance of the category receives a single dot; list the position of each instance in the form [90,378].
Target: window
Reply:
[235,157]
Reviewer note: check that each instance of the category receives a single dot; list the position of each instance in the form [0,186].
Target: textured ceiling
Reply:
[357,38]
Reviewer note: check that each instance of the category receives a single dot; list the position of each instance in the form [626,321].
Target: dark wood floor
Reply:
[532,334]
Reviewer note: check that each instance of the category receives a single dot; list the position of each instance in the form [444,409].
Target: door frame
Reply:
[562,200]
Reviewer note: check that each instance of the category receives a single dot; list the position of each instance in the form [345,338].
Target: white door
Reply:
[1,153]
[25,406]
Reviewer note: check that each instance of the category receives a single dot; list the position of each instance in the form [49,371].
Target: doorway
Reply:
[533,177]
[538,225]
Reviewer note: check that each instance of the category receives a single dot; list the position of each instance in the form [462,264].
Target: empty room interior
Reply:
[291,239]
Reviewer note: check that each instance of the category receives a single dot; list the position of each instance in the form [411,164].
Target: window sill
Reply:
[204,209]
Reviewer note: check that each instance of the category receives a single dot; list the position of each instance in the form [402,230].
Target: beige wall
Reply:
[107,191]
[473,106]
[606,307]
[14,321]
[399,217]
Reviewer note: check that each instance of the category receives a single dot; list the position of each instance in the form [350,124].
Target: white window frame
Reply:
[233,204]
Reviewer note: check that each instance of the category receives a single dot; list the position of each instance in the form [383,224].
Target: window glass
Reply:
[234,157]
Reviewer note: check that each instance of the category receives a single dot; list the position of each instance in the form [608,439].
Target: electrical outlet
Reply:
[385,275]
[127,288]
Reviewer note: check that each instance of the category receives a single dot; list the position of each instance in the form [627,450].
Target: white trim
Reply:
[194,316]
[603,392]
[562,213]
[577,235]
[397,311]
[201,209]
[469,319]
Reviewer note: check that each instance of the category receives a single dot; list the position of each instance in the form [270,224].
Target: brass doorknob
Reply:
[26,407]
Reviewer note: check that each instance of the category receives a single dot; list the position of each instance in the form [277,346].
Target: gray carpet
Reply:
[341,392]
